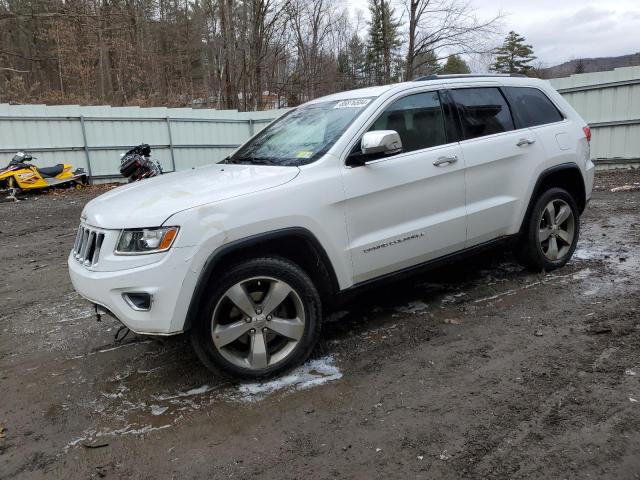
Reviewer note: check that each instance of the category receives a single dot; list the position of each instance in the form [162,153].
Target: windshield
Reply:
[302,135]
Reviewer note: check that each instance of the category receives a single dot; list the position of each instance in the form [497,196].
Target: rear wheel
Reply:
[551,232]
[261,317]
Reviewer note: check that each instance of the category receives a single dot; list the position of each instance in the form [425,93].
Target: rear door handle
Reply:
[525,141]
[444,161]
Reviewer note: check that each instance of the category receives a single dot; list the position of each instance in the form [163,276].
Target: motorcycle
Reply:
[136,164]
[20,175]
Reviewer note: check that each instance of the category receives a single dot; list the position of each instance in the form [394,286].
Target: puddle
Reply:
[618,258]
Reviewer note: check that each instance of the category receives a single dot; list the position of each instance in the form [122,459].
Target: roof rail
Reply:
[467,75]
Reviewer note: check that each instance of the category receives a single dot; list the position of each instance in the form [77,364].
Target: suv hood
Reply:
[150,202]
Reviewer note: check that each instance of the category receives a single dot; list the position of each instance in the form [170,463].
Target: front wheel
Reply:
[13,189]
[260,318]
[551,232]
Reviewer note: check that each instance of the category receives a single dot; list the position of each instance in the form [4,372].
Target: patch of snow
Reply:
[87,314]
[494,297]
[158,410]
[591,292]
[413,307]
[197,391]
[189,393]
[128,430]
[589,253]
[452,297]
[311,374]
[111,349]
[627,188]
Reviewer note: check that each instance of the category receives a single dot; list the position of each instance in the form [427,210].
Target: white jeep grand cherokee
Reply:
[247,254]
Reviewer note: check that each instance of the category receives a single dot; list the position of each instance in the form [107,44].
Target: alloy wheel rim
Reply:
[557,230]
[258,322]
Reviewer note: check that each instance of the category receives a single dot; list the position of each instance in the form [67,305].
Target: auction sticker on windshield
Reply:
[353,103]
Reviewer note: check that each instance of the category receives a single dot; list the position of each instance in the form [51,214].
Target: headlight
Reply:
[146,240]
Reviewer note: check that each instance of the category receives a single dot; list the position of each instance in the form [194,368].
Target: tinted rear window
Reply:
[483,111]
[532,107]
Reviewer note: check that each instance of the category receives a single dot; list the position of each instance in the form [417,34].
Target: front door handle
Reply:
[525,141]
[444,161]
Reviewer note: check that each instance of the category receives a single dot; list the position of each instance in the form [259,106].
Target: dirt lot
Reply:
[481,370]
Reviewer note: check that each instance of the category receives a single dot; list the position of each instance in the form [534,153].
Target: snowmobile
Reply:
[20,175]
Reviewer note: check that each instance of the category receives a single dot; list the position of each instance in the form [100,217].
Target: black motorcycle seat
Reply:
[51,171]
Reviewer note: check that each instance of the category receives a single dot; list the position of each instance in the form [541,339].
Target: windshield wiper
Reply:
[253,161]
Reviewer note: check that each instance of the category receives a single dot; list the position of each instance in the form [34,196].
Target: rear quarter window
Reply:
[532,107]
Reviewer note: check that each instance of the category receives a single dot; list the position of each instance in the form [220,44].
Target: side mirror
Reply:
[374,145]
[385,142]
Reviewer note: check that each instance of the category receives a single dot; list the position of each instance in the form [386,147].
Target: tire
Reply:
[535,248]
[237,339]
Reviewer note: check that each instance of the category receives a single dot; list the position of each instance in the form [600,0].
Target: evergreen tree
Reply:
[514,56]
[455,65]
[579,67]
[426,64]
[358,59]
[384,41]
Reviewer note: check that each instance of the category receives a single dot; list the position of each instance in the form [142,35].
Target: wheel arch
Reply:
[296,244]
[567,176]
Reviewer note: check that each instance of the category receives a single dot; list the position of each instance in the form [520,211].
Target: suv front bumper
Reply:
[168,281]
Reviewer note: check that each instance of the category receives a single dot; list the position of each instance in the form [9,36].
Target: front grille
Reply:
[86,250]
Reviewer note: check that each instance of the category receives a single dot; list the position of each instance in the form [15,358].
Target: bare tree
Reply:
[315,26]
[444,28]
[218,53]
[266,16]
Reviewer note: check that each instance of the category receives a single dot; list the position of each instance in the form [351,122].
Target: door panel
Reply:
[499,161]
[498,174]
[404,210]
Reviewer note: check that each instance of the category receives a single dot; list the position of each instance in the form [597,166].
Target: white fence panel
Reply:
[94,137]
[610,103]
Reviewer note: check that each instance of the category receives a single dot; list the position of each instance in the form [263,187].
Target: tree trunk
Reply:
[411,48]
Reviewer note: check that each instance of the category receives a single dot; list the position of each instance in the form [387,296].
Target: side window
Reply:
[418,119]
[532,107]
[483,111]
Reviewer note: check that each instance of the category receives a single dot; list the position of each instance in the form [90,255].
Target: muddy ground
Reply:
[480,370]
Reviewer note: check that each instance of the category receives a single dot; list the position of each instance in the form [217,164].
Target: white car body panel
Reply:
[497,173]
[149,203]
[388,215]
[404,199]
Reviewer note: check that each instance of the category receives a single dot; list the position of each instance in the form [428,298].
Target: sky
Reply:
[562,30]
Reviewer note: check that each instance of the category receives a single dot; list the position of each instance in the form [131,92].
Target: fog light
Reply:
[138,301]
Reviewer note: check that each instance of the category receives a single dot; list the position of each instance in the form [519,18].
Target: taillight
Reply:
[587,133]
